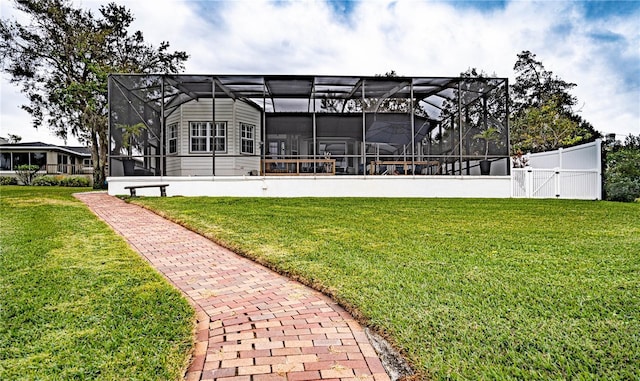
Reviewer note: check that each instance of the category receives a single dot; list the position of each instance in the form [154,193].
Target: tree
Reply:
[387,103]
[482,107]
[13,139]
[542,109]
[489,135]
[62,59]
[534,85]
[26,173]
[543,128]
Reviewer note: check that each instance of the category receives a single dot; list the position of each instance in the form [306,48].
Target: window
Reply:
[87,163]
[172,138]
[202,137]
[199,135]
[20,158]
[10,160]
[38,158]
[277,148]
[221,136]
[5,161]
[247,137]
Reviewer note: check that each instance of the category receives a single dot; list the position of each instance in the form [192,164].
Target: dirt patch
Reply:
[396,367]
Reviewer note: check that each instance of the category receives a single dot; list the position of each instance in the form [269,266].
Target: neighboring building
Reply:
[52,159]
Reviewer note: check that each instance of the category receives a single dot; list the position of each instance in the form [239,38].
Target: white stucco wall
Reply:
[321,186]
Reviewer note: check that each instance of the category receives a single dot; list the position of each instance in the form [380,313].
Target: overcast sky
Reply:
[595,44]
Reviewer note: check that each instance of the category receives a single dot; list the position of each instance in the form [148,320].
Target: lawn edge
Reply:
[327,291]
[190,354]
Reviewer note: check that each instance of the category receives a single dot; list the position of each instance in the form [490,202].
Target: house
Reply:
[274,127]
[52,159]
[289,145]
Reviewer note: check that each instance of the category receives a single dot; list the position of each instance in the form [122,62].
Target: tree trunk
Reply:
[98,174]
[99,157]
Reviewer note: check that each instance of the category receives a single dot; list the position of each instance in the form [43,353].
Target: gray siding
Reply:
[229,163]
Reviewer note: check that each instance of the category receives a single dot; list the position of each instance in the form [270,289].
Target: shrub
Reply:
[75,181]
[622,176]
[46,181]
[623,189]
[26,173]
[8,180]
[63,181]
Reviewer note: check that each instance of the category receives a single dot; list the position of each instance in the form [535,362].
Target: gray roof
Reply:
[30,146]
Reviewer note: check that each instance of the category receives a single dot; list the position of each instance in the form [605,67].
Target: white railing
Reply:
[556,183]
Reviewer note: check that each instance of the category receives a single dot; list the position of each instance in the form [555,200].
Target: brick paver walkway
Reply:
[253,324]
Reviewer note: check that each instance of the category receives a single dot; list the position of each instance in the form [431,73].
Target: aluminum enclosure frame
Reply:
[452,111]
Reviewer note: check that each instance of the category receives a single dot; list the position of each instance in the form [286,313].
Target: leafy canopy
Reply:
[61,59]
[542,109]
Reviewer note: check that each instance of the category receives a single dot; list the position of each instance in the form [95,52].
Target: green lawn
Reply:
[466,288]
[76,302]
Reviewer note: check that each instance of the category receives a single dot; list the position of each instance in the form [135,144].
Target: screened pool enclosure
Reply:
[285,125]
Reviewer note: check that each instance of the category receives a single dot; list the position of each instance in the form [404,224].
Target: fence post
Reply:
[528,181]
[557,179]
[560,151]
[599,166]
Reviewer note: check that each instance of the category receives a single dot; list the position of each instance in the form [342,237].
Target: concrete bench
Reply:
[163,188]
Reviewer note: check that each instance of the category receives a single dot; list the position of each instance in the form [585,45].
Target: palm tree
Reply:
[130,136]
[489,135]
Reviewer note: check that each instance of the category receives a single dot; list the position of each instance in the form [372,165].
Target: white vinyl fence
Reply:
[572,173]
[555,183]
[584,156]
